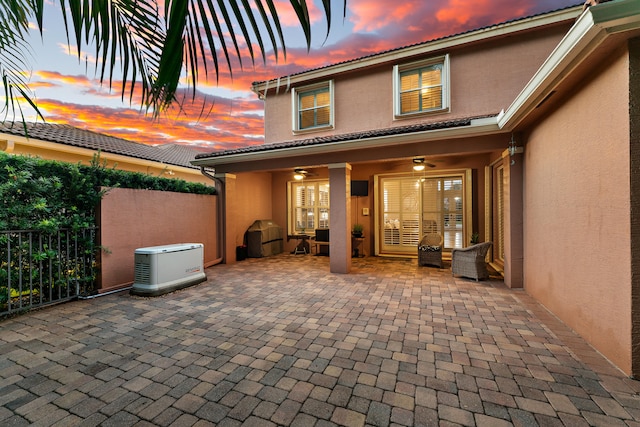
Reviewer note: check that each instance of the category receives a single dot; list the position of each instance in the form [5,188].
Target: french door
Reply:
[410,207]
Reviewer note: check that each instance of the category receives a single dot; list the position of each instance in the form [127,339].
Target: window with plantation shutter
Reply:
[391,211]
[421,87]
[308,206]
[313,107]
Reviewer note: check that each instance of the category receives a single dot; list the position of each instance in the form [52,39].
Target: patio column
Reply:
[228,198]
[340,238]
[513,221]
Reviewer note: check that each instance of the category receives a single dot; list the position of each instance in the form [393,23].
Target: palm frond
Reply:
[128,37]
[15,55]
[149,50]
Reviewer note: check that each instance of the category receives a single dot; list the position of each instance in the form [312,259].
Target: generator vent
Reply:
[142,273]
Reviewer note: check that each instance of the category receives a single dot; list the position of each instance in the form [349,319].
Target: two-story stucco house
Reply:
[529,131]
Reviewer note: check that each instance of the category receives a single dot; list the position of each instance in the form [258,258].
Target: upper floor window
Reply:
[313,107]
[421,87]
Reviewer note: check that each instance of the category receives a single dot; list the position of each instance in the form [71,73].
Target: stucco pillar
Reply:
[634,190]
[513,220]
[228,198]
[340,196]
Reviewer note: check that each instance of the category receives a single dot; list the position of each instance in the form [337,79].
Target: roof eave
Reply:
[591,29]
[54,146]
[478,127]
[423,48]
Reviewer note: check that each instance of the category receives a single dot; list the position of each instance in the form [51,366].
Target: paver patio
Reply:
[281,341]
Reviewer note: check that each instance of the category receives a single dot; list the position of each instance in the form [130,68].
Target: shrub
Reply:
[48,195]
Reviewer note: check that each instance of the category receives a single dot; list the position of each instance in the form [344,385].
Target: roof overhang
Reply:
[478,127]
[591,29]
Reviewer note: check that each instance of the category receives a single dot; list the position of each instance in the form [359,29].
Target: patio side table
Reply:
[303,243]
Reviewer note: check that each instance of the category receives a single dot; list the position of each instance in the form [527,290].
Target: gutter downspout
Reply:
[219,185]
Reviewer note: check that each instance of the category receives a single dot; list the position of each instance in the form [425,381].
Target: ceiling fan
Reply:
[419,163]
[301,173]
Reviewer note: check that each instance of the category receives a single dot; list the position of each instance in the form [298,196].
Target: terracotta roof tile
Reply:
[68,135]
[398,130]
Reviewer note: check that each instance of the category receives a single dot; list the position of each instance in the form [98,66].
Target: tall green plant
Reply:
[46,195]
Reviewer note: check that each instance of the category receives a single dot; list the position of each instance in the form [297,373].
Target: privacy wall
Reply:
[131,219]
[577,212]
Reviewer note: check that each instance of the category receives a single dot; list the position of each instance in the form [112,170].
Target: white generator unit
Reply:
[163,269]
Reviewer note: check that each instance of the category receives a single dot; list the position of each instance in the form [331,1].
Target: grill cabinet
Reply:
[264,238]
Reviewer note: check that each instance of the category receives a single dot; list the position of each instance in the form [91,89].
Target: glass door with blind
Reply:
[498,185]
[400,214]
[411,207]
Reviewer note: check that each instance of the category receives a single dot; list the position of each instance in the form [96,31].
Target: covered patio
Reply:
[280,341]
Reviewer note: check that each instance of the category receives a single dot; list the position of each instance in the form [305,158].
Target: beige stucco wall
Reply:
[364,99]
[131,219]
[254,201]
[576,211]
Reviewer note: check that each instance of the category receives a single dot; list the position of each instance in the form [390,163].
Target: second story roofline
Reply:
[437,45]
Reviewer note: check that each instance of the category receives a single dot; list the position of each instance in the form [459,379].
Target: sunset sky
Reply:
[69,92]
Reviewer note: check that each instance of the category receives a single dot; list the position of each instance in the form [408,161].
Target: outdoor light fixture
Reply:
[514,149]
[299,174]
[418,164]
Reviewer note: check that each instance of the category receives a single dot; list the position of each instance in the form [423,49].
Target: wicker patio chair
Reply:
[430,250]
[470,262]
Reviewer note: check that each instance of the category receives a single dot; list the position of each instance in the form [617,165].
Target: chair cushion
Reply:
[430,248]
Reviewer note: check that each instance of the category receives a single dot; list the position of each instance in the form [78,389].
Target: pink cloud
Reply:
[288,16]
[414,21]
[222,123]
[369,15]
[36,85]
[55,76]
[463,12]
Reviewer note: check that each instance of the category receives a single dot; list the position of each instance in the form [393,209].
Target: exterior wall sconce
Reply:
[513,149]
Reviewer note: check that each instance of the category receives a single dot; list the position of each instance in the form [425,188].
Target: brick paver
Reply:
[280,341]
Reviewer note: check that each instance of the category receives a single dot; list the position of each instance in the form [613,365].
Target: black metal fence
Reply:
[40,268]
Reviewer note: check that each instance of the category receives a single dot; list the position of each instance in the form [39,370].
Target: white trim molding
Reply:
[595,25]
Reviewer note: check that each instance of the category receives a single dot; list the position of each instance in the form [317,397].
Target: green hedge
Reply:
[47,195]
